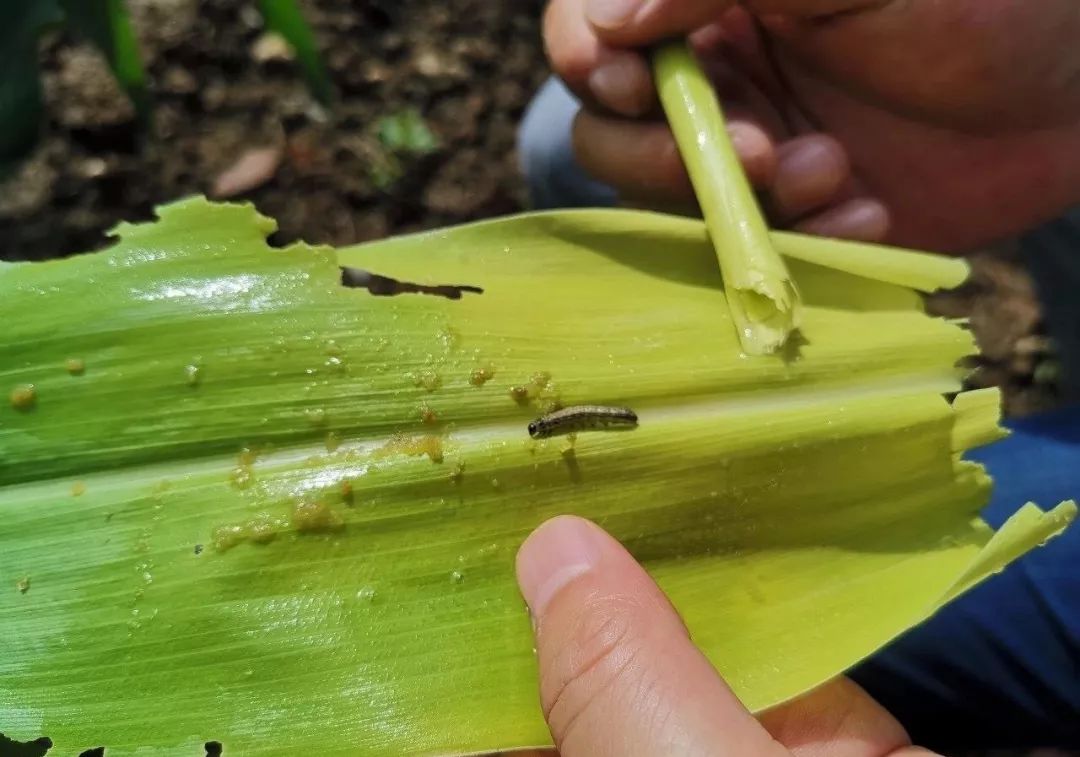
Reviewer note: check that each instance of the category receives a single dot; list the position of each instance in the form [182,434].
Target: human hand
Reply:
[937,125]
[619,674]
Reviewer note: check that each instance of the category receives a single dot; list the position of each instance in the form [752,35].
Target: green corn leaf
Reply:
[244,503]
[406,132]
[107,24]
[285,18]
[20,78]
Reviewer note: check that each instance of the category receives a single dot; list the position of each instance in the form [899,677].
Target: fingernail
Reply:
[863,219]
[610,14]
[811,157]
[554,555]
[617,85]
[746,140]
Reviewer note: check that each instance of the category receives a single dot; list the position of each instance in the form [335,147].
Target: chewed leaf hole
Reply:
[98,751]
[384,286]
[39,747]
[213,748]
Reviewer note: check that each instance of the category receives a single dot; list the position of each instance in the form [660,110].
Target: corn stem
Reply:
[763,299]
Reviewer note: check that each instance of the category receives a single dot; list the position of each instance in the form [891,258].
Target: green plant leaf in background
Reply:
[104,22]
[244,503]
[406,132]
[401,135]
[20,77]
[285,18]
[107,24]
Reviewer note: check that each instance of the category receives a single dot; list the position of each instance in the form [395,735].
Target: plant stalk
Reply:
[762,297]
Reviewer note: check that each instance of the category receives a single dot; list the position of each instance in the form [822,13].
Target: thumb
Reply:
[618,672]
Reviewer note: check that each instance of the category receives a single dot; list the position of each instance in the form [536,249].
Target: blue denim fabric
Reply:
[555,179]
[1000,666]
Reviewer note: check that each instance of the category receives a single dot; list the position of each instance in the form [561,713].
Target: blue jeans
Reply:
[1000,666]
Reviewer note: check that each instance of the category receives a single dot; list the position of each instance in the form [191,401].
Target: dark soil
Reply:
[232,114]
[1000,302]
[222,87]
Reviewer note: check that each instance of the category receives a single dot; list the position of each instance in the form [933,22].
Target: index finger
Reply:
[634,23]
[616,80]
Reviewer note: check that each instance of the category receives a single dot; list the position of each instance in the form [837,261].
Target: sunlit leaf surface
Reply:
[244,503]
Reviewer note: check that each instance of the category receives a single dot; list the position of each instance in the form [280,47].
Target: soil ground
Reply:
[221,87]
[233,117]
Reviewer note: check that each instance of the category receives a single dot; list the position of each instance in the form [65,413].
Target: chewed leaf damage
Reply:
[358,278]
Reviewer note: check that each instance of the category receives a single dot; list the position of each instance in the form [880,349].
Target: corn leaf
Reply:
[406,132]
[108,25]
[246,504]
[285,18]
[20,77]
